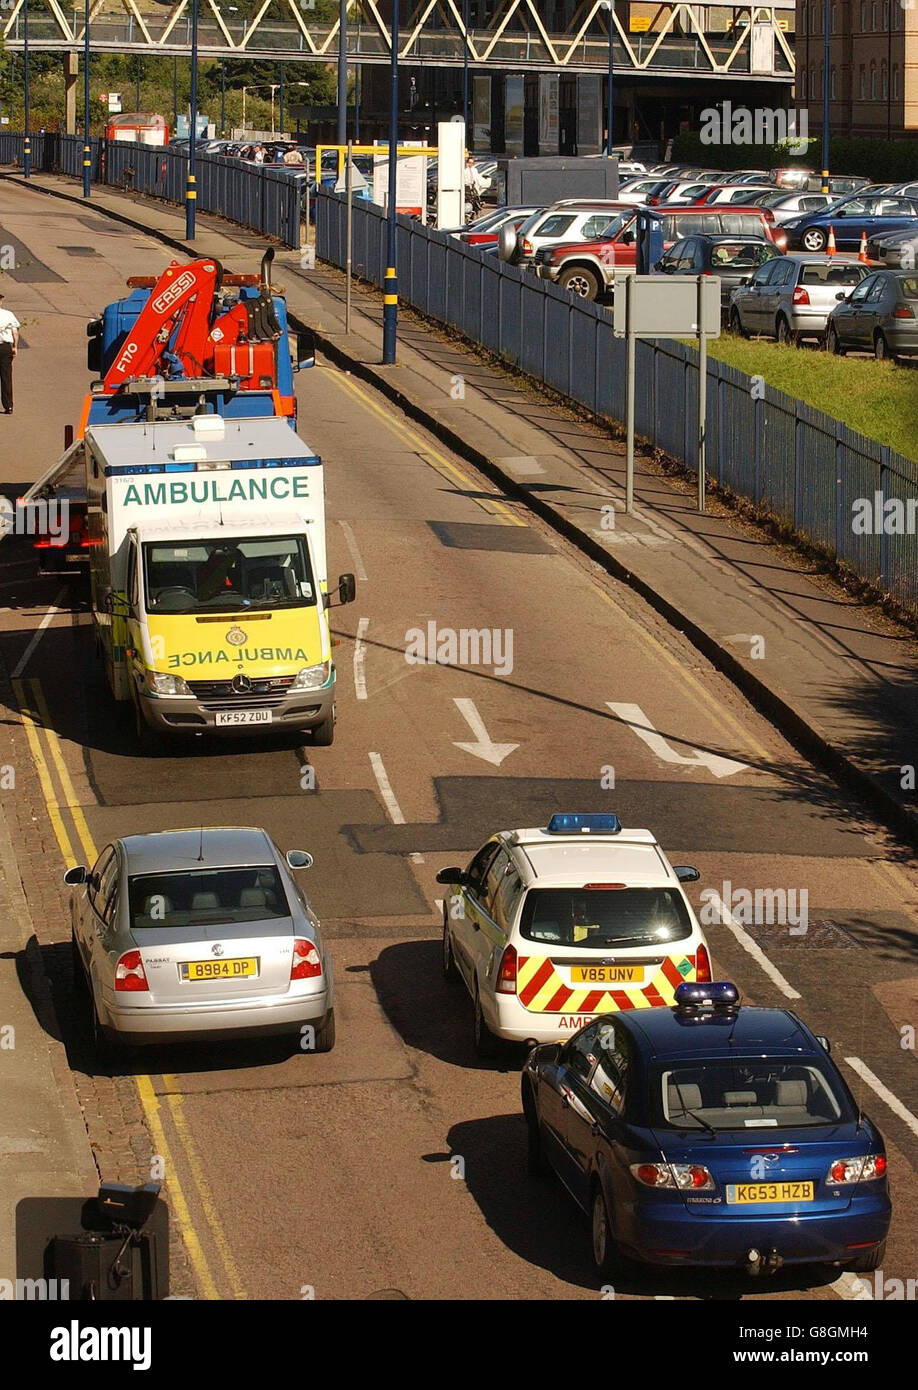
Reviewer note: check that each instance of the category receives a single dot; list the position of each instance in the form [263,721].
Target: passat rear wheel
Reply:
[605,1251]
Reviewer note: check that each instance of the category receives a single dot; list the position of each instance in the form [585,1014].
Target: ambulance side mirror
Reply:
[685,873]
[347,588]
[107,600]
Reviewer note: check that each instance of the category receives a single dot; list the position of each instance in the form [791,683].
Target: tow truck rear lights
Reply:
[579,823]
[129,973]
[686,1177]
[864,1168]
[307,963]
[506,976]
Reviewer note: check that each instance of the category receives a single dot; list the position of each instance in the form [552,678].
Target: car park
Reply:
[549,927]
[851,218]
[568,220]
[203,934]
[732,259]
[711,1133]
[880,316]
[792,297]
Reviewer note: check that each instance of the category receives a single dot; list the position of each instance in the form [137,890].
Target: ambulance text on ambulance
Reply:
[249,654]
[199,490]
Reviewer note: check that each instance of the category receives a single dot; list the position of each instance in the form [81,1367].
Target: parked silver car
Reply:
[791,297]
[186,935]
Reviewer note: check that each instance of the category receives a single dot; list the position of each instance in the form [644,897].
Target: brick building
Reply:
[873,66]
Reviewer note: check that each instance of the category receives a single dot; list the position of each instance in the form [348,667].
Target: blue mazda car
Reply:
[873,214]
[711,1133]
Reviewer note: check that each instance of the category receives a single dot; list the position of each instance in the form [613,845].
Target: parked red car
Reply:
[588,268]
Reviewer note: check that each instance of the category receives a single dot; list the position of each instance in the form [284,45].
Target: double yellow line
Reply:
[429,455]
[47,754]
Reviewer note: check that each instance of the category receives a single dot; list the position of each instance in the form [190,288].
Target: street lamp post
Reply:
[465,69]
[281,99]
[342,72]
[87,140]
[191,190]
[222,96]
[174,92]
[826,50]
[390,295]
[610,105]
[26,144]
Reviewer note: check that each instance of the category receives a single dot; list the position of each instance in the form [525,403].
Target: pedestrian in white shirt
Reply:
[9,347]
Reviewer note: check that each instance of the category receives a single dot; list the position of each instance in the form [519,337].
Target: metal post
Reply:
[243,113]
[465,68]
[390,288]
[826,50]
[222,96]
[87,141]
[137,62]
[191,192]
[357,104]
[342,72]
[610,108]
[281,94]
[27,143]
[349,180]
[629,390]
[175,93]
[702,393]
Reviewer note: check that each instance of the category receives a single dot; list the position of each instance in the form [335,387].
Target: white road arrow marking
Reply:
[635,718]
[483,748]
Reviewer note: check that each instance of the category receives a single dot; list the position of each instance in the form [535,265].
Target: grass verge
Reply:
[878,399]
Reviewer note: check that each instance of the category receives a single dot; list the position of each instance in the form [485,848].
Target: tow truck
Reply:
[196,340]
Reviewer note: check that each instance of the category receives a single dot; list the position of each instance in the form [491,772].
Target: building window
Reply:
[873,82]
[895,82]
[814,20]
[863,16]
[885,15]
[804,19]
[832,92]
[884,82]
[834,19]
[803,82]
[862,84]
[873,14]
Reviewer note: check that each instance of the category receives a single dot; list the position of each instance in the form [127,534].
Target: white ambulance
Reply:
[209,575]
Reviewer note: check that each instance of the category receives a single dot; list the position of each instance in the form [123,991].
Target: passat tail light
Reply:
[129,973]
[702,966]
[306,963]
[506,975]
[860,1169]
[801,296]
[902,311]
[684,1177]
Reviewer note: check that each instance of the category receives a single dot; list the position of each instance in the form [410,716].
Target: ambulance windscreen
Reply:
[192,576]
[604,917]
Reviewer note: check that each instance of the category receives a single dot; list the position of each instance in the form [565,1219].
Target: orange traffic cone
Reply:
[862,253]
[831,248]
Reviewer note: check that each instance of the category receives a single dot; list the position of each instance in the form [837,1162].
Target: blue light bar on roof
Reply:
[578,823]
[721,992]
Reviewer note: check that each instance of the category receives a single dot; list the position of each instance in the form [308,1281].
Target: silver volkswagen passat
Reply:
[187,935]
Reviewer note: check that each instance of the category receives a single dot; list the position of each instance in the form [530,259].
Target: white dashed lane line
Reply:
[753,949]
[385,789]
[360,653]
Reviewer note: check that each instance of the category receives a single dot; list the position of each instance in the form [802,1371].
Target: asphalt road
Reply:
[289,1173]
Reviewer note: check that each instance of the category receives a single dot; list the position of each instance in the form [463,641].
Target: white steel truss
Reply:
[679,41]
